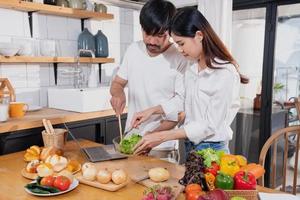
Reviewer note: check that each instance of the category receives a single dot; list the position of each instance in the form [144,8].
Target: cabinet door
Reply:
[112,128]
[14,142]
[91,130]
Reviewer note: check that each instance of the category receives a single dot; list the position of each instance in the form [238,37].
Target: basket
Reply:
[247,194]
[56,139]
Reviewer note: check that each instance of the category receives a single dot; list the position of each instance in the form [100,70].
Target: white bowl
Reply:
[9,49]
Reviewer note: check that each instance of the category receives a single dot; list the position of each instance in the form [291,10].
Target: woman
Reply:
[211,97]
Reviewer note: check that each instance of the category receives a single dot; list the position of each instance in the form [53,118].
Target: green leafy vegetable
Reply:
[209,155]
[127,144]
[36,187]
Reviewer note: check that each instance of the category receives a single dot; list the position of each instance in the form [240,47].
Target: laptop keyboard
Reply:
[96,153]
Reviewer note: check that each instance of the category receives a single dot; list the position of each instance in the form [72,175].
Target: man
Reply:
[153,70]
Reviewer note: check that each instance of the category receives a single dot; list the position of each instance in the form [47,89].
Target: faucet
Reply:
[78,75]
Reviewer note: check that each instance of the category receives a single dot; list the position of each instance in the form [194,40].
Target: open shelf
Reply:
[30,59]
[53,10]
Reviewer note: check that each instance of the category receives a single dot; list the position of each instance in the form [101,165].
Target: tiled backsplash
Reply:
[32,80]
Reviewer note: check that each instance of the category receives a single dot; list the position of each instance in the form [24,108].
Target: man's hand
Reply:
[118,99]
[118,103]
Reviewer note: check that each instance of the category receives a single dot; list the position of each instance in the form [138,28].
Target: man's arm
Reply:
[118,99]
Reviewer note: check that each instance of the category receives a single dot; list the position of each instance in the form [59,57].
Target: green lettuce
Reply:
[209,155]
[127,144]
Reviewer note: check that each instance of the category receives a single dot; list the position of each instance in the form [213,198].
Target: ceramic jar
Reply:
[77,4]
[100,8]
[63,3]
[101,45]
[86,41]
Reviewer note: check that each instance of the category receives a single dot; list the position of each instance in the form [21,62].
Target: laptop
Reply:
[98,153]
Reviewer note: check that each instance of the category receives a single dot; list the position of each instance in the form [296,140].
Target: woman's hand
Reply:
[148,142]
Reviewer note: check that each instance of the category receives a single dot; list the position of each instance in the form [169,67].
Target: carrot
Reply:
[256,169]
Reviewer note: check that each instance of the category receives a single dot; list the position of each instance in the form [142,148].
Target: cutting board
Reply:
[172,182]
[109,186]
[141,176]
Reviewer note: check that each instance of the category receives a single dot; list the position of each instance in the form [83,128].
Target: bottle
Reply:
[92,81]
[50,2]
[101,45]
[257,99]
[86,41]
[257,102]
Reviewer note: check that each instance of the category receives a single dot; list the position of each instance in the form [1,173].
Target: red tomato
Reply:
[194,195]
[192,187]
[62,183]
[48,181]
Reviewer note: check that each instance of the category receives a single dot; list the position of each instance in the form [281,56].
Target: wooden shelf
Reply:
[29,59]
[53,10]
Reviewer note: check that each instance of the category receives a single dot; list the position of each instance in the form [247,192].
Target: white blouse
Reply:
[211,102]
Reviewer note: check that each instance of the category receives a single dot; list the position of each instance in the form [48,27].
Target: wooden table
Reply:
[12,183]
[34,119]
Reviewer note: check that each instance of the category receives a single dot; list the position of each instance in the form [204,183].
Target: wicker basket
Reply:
[58,139]
[247,194]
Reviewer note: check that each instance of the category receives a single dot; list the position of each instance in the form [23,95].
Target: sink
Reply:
[80,99]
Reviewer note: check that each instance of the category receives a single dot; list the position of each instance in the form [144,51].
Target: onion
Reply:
[103,176]
[87,165]
[89,173]
[119,176]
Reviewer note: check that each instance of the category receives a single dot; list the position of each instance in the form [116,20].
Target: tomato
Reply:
[47,181]
[192,187]
[194,195]
[62,183]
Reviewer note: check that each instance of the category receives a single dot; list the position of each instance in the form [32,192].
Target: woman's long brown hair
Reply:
[187,22]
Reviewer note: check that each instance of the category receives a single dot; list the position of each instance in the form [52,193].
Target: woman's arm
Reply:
[154,139]
[142,116]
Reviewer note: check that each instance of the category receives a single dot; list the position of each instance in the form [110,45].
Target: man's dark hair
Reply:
[156,15]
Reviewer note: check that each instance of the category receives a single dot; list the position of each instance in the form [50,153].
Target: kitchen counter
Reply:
[34,119]
[12,183]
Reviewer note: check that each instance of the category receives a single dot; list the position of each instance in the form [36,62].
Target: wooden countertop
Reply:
[34,119]
[12,183]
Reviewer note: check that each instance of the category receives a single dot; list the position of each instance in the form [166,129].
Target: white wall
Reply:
[32,80]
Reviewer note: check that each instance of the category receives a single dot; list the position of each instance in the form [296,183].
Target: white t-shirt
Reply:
[153,81]
[211,102]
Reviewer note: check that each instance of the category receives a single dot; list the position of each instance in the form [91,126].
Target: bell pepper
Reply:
[214,168]
[241,160]
[210,180]
[256,169]
[229,165]
[224,181]
[244,180]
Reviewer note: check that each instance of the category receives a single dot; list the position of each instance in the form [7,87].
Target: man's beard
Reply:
[153,48]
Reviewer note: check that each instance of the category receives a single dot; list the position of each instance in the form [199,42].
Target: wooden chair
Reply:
[297,106]
[272,144]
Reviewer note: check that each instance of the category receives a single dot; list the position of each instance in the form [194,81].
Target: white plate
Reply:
[34,108]
[72,187]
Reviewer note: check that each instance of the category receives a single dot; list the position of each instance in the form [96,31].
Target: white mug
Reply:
[3,112]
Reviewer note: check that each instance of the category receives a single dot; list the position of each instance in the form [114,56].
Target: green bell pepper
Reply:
[224,181]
